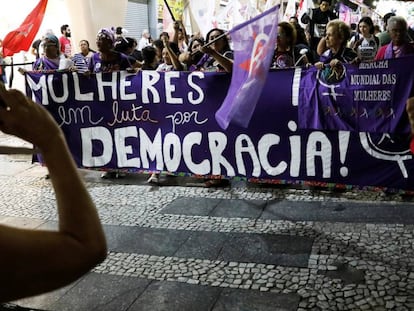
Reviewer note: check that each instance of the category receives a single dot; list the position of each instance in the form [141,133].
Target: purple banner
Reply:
[370,97]
[166,121]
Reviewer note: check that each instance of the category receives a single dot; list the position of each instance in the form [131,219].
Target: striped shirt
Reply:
[81,61]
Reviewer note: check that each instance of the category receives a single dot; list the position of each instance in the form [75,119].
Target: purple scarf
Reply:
[44,63]
[405,49]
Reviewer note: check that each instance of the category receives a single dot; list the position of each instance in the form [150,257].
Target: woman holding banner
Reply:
[51,59]
[218,56]
[170,63]
[108,60]
[337,53]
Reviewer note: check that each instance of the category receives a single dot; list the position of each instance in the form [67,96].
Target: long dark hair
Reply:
[196,56]
[226,40]
[367,20]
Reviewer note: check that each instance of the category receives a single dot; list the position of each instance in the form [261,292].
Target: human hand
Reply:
[22,117]
[335,62]
[319,65]
[206,49]
[176,25]
[184,57]
[73,68]
[165,41]
[22,70]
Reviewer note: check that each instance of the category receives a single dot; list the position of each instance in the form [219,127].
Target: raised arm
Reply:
[176,27]
[224,61]
[321,46]
[36,261]
[174,57]
[184,32]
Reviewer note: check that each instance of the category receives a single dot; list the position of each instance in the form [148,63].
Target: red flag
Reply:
[21,38]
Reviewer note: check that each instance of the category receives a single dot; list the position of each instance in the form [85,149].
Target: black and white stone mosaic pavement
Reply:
[242,247]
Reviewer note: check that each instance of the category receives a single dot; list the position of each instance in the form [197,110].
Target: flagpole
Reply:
[212,41]
[169,10]
[11,74]
[228,32]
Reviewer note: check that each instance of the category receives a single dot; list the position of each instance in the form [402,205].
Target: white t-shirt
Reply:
[367,49]
[165,67]
[143,42]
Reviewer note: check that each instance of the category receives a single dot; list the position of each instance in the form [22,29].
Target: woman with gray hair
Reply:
[399,45]
[336,39]
[337,53]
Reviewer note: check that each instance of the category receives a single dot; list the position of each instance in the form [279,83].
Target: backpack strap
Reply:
[377,41]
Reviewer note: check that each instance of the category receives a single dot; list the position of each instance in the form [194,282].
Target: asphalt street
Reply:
[180,246]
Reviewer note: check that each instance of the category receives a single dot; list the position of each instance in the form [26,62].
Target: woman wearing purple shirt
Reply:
[107,59]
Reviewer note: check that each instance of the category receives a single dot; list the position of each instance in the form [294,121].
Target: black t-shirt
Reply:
[317,21]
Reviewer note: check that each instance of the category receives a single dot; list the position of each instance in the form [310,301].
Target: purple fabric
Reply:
[107,33]
[371,99]
[253,45]
[44,63]
[172,115]
[406,49]
[388,51]
[119,62]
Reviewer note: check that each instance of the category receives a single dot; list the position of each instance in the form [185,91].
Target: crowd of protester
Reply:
[324,38]
[62,256]
[325,42]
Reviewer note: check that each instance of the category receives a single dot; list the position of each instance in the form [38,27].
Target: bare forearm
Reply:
[34,261]
[77,214]
[225,62]
[39,261]
[321,46]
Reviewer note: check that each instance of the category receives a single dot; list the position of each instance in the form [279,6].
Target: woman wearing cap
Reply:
[107,59]
[51,58]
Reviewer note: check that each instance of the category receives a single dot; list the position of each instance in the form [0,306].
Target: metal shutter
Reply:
[136,18]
